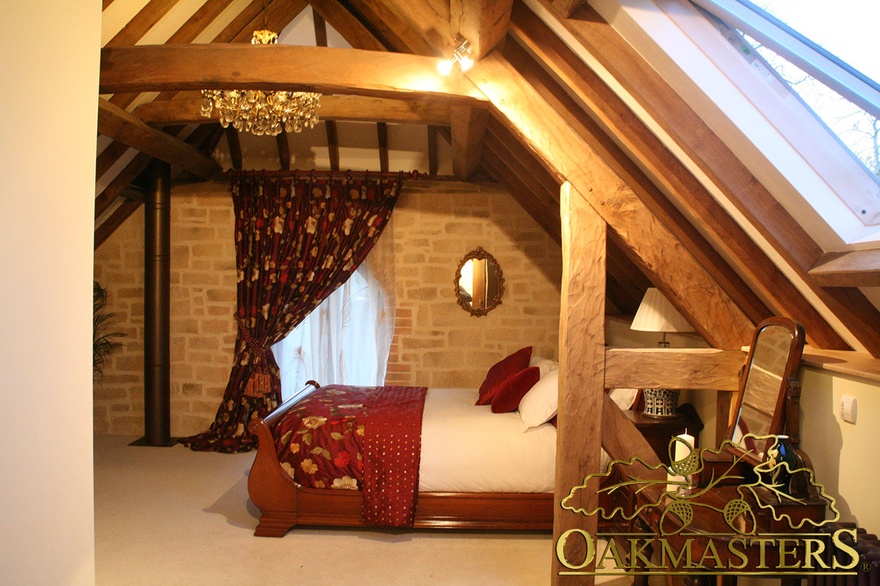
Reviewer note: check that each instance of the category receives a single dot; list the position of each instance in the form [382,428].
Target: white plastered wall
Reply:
[49,59]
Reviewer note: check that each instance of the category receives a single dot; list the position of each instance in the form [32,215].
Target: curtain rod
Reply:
[314,173]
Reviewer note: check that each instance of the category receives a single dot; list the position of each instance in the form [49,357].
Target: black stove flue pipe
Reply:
[157,308]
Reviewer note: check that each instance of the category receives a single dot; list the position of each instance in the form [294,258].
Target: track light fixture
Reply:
[461,55]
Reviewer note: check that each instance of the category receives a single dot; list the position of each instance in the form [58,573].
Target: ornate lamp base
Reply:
[661,402]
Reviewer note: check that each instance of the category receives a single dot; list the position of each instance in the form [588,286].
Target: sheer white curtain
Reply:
[346,339]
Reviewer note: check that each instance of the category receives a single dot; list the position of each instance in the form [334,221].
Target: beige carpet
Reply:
[173,516]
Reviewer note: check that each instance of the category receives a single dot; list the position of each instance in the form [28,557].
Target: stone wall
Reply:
[202,305]
[436,342]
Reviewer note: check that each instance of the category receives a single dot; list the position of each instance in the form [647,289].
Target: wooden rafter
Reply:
[599,140]
[724,169]
[433,132]
[421,27]
[394,32]
[234,145]
[283,150]
[329,125]
[116,219]
[535,189]
[105,200]
[656,250]
[141,23]
[382,141]
[128,129]
[347,25]
[332,145]
[725,235]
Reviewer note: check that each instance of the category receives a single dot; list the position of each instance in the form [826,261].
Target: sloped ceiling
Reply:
[530,115]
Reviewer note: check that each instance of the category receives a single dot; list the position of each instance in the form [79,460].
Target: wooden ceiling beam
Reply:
[482,22]
[660,255]
[186,109]
[857,268]
[468,127]
[128,129]
[321,69]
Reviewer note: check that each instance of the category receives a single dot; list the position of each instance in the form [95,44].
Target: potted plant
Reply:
[104,342]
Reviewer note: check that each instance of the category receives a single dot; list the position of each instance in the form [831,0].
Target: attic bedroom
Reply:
[597,150]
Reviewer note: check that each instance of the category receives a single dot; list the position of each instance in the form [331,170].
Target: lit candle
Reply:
[684,446]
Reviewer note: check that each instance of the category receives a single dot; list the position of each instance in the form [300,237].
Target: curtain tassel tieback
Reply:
[260,381]
[259,385]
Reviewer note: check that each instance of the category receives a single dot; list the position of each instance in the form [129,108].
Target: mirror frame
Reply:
[786,418]
[479,254]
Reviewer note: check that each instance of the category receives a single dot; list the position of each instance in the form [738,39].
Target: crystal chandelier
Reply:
[263,112]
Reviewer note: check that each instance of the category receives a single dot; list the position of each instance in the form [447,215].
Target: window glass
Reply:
[345,340]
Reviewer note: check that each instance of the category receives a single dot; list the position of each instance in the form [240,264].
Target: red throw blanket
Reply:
[358,438]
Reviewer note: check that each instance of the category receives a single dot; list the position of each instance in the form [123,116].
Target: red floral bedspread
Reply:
[357,438]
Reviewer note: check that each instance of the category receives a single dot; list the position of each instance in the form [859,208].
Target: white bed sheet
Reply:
[467,448]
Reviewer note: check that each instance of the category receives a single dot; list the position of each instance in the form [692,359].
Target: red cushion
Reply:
[501,371]
[514,389]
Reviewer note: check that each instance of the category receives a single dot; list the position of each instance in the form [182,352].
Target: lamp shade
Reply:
[656,314]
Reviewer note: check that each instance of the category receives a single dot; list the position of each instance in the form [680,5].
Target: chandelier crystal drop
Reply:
[263,112]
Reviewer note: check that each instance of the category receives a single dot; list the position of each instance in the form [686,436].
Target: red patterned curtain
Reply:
[297,238]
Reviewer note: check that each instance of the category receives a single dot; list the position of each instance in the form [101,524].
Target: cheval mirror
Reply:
[768,400]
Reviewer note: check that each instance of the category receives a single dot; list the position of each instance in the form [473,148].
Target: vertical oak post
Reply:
[582,371]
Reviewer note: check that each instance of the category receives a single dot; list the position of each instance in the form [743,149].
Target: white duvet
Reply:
[467,448]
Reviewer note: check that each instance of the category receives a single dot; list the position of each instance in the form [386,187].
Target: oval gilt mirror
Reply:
[479,282]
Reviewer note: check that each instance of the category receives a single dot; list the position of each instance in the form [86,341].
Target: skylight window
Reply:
[857,128]
[813,53]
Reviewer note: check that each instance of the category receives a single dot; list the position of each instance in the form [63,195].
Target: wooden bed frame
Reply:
[284,504]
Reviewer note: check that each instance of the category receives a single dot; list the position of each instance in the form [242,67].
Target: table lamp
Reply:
[656,314]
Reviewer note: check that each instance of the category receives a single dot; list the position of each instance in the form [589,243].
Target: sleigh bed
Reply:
[503,481]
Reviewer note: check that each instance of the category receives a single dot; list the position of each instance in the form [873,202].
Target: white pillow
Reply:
[623,397]
[545,365]
[539,405]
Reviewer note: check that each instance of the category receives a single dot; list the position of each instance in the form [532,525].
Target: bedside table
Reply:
[659,430]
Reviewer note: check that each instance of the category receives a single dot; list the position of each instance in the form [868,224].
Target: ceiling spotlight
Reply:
[461,55]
